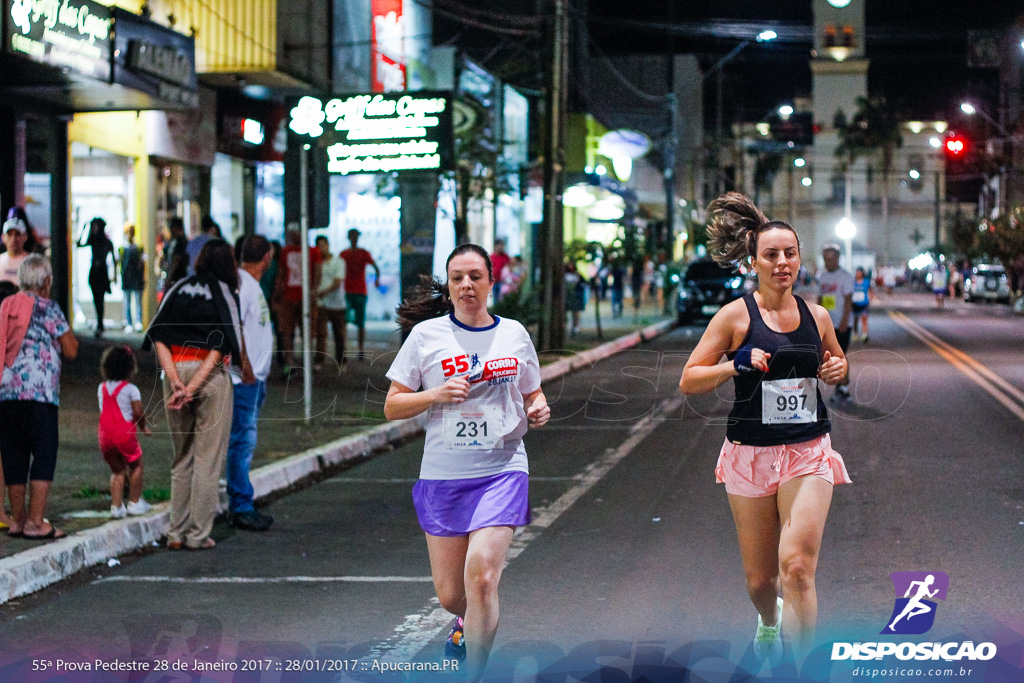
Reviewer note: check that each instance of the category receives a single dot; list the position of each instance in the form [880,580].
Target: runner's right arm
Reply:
[403,402]
[704,370]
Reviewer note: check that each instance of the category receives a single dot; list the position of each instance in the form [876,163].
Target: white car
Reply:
[987,282]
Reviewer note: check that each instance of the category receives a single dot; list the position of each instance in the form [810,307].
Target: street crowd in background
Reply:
[251,292]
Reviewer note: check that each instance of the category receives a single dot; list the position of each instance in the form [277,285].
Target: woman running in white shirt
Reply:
[481,387]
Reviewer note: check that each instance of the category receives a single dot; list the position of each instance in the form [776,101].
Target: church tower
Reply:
[839,68]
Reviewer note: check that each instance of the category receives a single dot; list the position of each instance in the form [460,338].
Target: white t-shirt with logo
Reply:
[484,435]
[9,266]
[124,399]
[834,286]
[332,270]
[256,330]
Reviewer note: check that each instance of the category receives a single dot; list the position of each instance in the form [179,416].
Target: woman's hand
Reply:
[832,369]
[181,396]
[538,414]
[748,359]
[455,390]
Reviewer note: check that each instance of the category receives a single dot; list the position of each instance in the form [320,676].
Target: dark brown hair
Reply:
[217,260]
[254,248]
[735,224]
[430,299]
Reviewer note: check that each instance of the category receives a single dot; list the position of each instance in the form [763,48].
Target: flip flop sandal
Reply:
[53,534]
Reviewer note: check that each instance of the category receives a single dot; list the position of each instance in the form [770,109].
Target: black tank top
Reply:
[794,354]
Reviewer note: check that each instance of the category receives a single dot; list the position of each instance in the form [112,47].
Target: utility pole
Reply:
[672,140]
[552,316]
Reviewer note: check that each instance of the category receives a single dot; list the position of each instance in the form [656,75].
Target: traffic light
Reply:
[956,146]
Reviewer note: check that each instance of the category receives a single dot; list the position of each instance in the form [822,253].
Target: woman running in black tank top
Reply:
[777,461]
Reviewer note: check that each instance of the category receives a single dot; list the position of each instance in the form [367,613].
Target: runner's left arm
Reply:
[834,366]
[537,410]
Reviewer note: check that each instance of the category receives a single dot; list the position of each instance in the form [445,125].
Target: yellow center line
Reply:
[978,373]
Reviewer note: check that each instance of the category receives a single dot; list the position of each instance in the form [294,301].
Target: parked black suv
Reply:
[704,288]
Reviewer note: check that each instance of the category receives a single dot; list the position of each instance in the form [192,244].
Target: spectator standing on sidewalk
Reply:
[133,280]
[15,238]
[356,259]
[330,304]
[35,334]
[195,328]
[835,294]
[99,270]
[6,290]
[250,389]
[121,416]
[175,253]
[288,294]
[208,230]
[499,261]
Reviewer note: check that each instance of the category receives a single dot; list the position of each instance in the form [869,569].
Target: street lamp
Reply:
[971,110]
[845,230]
[762,37]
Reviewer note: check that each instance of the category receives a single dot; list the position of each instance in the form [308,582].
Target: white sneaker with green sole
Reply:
[768,639]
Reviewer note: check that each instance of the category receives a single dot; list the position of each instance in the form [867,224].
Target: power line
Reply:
[622,77]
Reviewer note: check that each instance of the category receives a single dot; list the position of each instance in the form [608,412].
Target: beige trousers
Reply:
[200,432]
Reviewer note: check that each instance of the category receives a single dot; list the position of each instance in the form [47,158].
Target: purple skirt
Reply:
[455,507]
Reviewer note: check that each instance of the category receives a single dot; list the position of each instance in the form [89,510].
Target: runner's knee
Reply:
[797,571]
[451,596]
[762,582]
[482,578]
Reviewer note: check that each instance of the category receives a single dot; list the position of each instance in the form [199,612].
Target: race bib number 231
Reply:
[472,427]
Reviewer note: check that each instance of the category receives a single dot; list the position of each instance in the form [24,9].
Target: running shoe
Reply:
[455,646]
[768,639]
[139,507]
[118,512]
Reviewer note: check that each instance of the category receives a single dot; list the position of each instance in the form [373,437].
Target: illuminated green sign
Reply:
[380,133]
[70,34]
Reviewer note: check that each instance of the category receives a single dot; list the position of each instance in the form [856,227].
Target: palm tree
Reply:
[875,128]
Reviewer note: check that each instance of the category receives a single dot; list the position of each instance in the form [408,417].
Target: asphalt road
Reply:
[631,565]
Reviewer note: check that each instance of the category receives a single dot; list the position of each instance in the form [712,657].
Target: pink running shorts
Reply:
[758,471]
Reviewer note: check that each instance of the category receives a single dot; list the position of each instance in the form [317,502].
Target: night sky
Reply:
[917,49]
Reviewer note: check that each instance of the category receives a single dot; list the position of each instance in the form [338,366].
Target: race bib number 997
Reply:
[789,401]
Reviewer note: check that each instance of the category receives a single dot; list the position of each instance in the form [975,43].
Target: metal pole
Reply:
[307,360]
[719,175]
[938,211]
[552,324]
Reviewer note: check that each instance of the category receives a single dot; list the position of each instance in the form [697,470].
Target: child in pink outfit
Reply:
[121,415]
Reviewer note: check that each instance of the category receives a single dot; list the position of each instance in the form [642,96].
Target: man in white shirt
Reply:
[836,296]
[251,388]
[331,302]
[15,236]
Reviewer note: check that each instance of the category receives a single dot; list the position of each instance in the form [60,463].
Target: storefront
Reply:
[384,154]
[247,188]
[122,161]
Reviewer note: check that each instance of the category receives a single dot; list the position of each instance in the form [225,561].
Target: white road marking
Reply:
[418,629]
[978,373]
[265,579]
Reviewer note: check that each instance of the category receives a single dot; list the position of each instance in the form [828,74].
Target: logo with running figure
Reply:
[916,595]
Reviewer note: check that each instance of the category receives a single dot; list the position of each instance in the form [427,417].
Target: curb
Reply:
[34,569]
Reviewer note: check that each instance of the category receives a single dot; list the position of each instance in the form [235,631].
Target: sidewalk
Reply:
[346,403]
